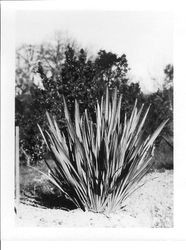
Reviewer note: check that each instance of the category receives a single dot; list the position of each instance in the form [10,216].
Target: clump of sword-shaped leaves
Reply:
[98,165]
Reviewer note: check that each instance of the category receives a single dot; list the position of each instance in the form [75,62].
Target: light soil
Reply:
[150,206]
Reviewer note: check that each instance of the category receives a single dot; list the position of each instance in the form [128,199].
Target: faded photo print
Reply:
[94,119]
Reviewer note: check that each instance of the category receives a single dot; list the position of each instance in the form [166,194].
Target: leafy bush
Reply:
[75,76]
[97,165]
[47,72]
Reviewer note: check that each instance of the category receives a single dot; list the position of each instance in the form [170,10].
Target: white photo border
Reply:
[9,230]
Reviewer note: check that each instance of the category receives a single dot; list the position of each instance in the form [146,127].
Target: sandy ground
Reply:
[149,206]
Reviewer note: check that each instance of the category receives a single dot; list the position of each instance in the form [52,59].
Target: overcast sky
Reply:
[145,37]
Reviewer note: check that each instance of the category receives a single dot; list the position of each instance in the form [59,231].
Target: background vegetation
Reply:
[46,72]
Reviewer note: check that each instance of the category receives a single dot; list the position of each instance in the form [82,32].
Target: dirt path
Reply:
[149,206]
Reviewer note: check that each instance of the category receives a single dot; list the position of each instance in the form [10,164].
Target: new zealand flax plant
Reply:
[98,165]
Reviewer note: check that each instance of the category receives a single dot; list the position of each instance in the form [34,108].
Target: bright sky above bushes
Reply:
[145,37]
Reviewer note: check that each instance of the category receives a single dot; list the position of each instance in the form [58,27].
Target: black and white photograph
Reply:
[94,119]
[92,122]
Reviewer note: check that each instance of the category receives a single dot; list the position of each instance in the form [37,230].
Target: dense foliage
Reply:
[45,74]
[99,164]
